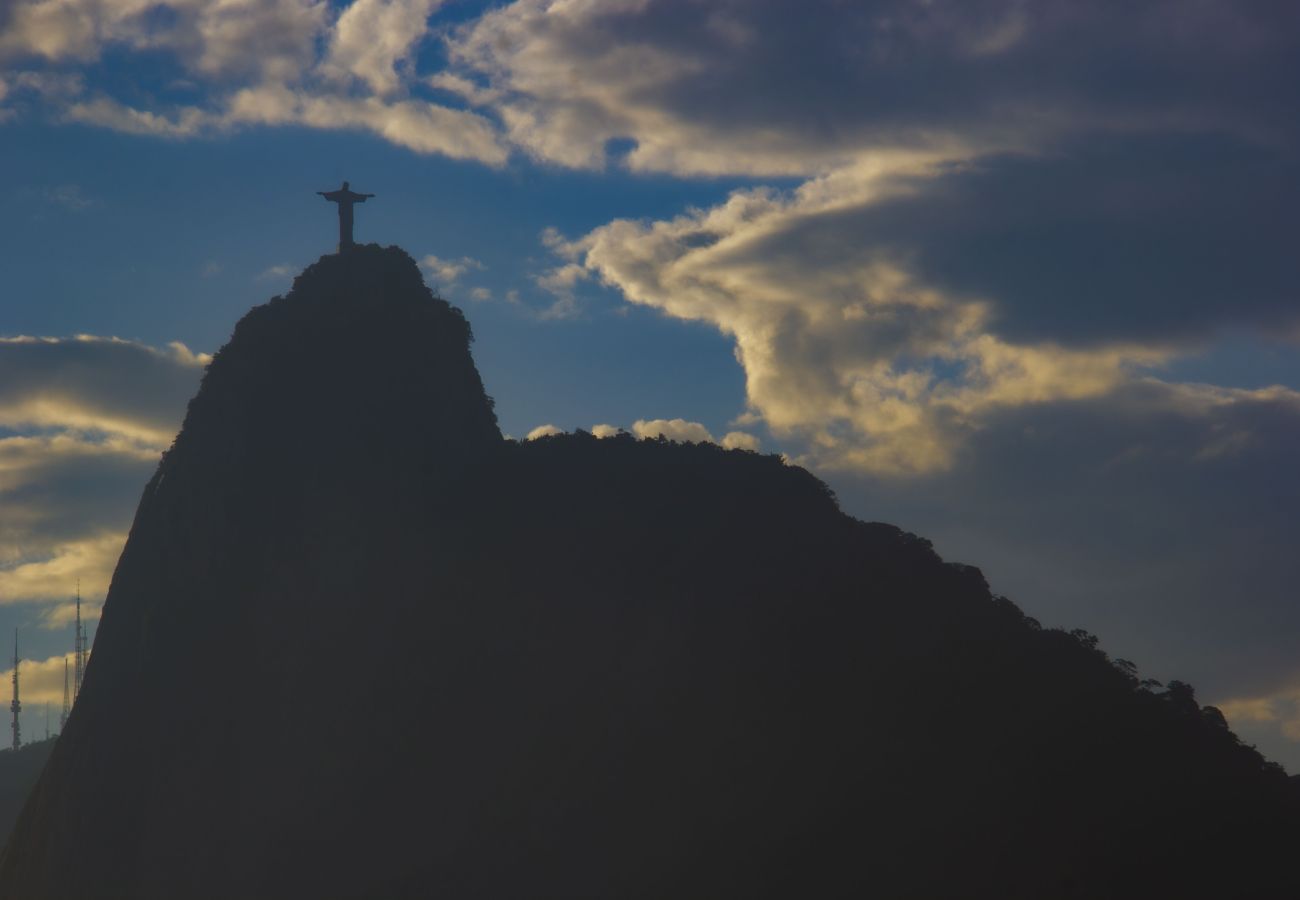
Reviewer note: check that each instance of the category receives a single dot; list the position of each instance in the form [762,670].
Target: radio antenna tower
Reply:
[67,702]
[78,650]
[15,707]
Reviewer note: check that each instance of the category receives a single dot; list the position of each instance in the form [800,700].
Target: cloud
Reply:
[978,147]
[82,423]
[374,37]
[672,429]
[255,62]
[94,384]
[226,38]
[735,87]
[69,196]
[682,430]
[447,271]
[1107,238]
[748,87]
[1279,711]
[41,681]
[278,272]
[542,431]
[850,352]
[417,125]
[90,561]
[108,113]
[271,39]
[560,282]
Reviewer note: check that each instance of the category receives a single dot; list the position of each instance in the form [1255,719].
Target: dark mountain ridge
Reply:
[358,645]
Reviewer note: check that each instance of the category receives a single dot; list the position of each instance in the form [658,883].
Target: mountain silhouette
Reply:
[358,645]
[18,772]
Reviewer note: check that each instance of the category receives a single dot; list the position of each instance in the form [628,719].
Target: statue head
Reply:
[345,185]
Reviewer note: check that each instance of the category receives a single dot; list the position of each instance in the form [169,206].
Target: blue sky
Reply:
[1017,276]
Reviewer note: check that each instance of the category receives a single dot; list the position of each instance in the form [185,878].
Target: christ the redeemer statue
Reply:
[345,198]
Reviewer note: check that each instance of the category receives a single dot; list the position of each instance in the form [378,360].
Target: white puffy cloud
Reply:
[740,440]
[271,39]
[258,62]
[60,29]
[542,431]
[373,37]
[672,429]
[852,352]
[605,431]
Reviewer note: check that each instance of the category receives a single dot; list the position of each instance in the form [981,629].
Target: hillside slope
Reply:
[360,646]
[18,773]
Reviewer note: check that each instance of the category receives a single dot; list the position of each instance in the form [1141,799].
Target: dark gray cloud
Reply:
[1137,238]
[792,88]
[96,383]
[82,422]
[1099,173]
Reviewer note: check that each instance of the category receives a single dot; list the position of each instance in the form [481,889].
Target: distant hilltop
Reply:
[359,645]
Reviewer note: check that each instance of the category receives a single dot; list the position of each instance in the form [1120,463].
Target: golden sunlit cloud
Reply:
[1282,710]
[41,680]
[90,560]
[850,352]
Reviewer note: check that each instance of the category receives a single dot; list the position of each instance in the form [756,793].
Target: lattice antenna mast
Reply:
[15,707]
[78,650]
[67,700]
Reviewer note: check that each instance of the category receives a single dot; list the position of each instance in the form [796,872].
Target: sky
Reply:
[1016,275]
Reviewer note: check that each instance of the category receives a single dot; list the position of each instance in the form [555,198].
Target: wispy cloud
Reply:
[68,196]
[278,272]
[255,64]
[448,271]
